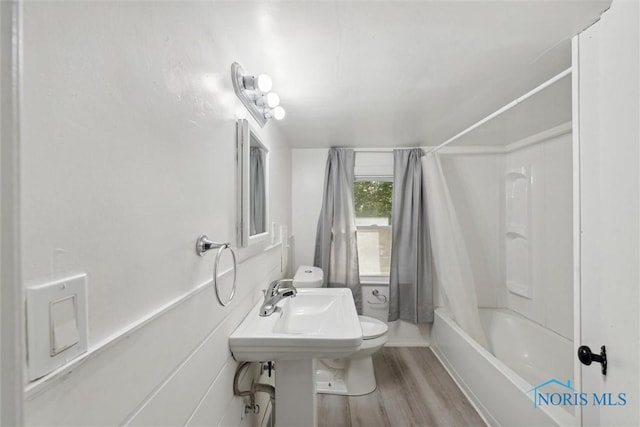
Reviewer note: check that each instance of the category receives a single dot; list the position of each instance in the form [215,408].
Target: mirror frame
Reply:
[244,135]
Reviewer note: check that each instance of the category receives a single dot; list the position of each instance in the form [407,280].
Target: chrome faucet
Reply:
[276,292]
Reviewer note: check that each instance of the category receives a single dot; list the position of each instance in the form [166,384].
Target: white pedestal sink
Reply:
[317,323]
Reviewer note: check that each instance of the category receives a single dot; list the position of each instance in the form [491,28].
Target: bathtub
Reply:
[498,383]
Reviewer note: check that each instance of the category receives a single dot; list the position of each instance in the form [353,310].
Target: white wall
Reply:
[128,154]
[307,184]
[476,183]
[307,170]
[551,240]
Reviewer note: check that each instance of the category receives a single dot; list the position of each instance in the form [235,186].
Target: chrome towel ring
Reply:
[382,299]
[203,244]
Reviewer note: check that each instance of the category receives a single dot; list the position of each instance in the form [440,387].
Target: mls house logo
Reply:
[547,394]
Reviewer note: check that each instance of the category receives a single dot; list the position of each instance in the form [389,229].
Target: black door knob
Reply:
[586,357]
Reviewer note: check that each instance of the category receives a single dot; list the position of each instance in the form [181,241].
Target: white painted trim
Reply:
[11,311]
[244,133]
[577,219]
[543,136]
[383,178]
[41,384]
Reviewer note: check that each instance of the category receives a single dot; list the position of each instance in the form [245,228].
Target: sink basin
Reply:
[317,323]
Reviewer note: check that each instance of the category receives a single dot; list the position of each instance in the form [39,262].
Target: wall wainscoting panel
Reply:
[161,372]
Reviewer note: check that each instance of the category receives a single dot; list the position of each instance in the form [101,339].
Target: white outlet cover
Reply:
[44,354]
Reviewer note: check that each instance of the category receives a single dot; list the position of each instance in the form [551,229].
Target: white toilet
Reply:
[308,277]
[354,375]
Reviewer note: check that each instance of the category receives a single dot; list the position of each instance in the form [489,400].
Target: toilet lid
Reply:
[372,328]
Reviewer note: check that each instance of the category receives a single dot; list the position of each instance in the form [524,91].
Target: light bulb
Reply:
[279,113]
[264,83]
[268,101]
[273,100]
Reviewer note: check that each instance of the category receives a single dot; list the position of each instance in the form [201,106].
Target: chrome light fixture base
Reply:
[237,77]
[255,94]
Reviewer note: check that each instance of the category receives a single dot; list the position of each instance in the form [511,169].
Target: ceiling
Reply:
[396,73]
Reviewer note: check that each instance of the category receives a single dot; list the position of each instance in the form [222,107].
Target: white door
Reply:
[608,93]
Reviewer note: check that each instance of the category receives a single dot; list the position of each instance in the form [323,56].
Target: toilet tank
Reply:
[308,277]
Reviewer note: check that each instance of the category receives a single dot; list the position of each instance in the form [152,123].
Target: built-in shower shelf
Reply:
[517,174]
[518,185]
[516,232]
[522,289]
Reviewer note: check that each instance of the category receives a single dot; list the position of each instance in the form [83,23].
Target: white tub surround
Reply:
[538,230]
[519,360]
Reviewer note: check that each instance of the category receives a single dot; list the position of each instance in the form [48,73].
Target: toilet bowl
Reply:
[352,376]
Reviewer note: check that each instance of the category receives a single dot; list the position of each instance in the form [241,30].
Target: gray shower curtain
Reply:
[336,250]
[257,193]
[410,281]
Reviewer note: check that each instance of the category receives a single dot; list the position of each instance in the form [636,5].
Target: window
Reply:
[372,199]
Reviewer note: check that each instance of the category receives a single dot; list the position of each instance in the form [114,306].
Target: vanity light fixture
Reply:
[254,93]
[277,113]
[261,83]
[271,100]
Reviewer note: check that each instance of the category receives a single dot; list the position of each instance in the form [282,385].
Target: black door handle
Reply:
[586,357]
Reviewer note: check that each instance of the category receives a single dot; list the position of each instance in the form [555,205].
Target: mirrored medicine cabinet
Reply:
[253,179]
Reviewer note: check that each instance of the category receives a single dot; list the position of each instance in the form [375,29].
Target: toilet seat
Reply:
[372,328]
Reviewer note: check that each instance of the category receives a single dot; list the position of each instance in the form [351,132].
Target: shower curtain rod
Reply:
[503,109]
[381,150]
[373,150]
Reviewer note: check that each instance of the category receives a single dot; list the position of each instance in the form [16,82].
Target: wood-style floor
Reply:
[414,390]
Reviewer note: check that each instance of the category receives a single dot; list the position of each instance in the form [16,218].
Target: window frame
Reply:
[374,279]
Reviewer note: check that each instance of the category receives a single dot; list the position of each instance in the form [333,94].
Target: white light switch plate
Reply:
[56,324]
[63,324]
